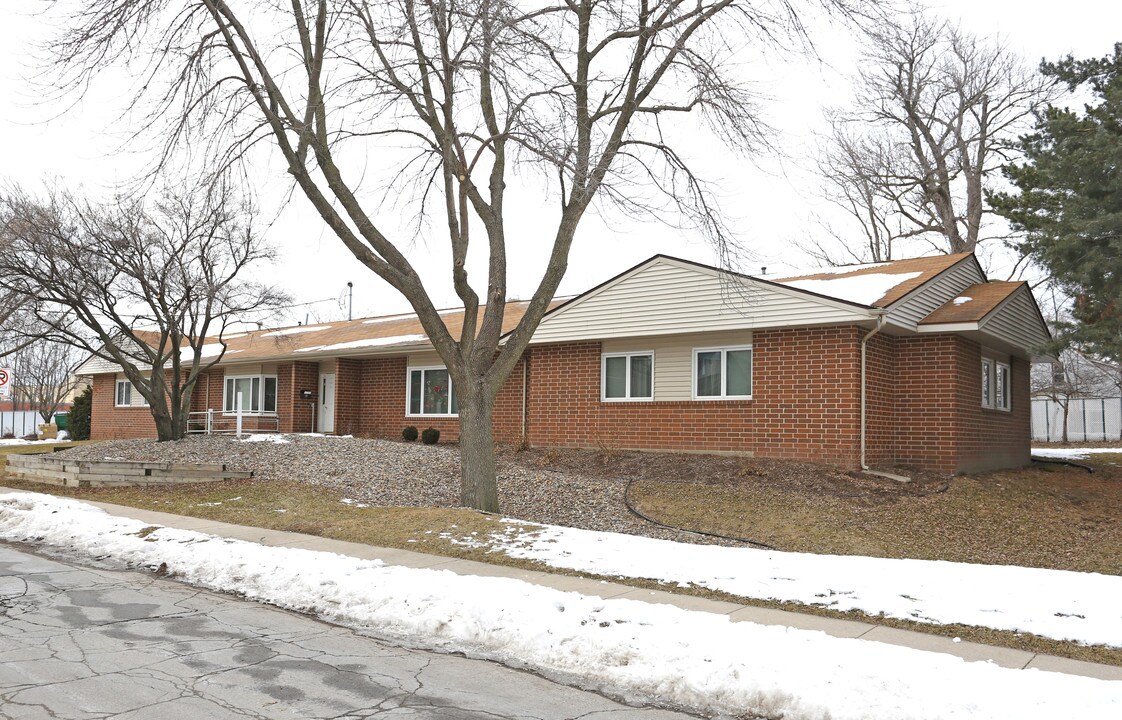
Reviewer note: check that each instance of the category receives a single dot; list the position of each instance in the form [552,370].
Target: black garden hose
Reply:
[1071,463]
[639,514]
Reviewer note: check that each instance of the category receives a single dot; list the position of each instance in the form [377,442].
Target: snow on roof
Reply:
[910,273]
[963,299]
[297,330]
[865,288]
[367,343]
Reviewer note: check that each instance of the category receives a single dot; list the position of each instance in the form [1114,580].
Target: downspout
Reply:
[882,318]
[525,385]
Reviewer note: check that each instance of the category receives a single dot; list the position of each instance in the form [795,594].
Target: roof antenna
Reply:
[763,270]
[350,299]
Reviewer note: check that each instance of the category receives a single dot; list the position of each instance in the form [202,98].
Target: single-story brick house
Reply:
[919,363]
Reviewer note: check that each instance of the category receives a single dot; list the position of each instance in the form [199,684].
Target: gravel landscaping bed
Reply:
[391,473]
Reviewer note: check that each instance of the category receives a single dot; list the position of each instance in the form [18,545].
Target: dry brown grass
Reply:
[1049,516]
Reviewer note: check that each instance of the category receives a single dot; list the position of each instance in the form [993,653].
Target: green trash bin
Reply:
[62,420]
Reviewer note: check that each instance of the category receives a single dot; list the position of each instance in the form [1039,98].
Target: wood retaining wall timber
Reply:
[61,470]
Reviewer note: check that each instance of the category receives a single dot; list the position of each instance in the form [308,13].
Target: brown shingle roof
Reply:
[926,267]
[974,303]
[347,337]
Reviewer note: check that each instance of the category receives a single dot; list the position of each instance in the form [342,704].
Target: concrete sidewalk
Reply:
[1004,657]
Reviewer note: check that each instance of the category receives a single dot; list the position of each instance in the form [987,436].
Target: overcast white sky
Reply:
[770,202]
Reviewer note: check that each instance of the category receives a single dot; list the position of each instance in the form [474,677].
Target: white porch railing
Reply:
[213,422]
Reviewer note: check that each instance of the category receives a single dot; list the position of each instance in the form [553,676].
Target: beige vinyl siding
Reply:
[673,357]
[1017,322]
[327,367]
[667,297]
[936,293]
[425,359]
[135,401]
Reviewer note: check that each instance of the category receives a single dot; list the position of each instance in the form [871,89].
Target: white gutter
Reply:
[882,318]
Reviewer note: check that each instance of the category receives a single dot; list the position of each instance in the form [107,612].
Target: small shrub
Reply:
[409,434]
[8,436]
[430,436]
[30,436]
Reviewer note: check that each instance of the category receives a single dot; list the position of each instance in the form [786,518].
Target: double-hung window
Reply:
[987,383]
[430,392]
[996,387]
[124,393]
[1001,387]
[722,373]
[627,376]
[259,394]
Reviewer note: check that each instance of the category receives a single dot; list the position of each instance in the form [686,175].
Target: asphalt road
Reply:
[79,642]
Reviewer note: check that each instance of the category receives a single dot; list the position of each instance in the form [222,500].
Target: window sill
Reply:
[435,416]
[722,397]
[250,414]
[627,400]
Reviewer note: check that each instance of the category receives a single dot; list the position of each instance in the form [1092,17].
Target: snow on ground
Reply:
[21,441]
[267,437]
[1072,453]
[1058,604]
[865,289]
[696,660]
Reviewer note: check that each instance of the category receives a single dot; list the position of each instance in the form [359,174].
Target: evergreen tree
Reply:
[79,421]
[1069,203]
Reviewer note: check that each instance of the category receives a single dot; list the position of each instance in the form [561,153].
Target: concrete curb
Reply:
[970,651]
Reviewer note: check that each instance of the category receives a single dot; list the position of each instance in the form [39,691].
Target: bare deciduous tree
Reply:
[583,97]
[935,115]
[148,286]
[43,376]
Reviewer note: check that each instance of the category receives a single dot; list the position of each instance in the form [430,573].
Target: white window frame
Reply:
[1004,400]
[409,370]
[117,394]
[724,350]
[260,401]
[991,376]
[627,376]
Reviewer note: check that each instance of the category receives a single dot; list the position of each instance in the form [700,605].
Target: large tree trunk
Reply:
[165,426]
[478,488]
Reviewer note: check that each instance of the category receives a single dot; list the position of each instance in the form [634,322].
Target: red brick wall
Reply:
[938,421]
[924,404]
[382,403]
[990,439]
[804,404]
[108,422]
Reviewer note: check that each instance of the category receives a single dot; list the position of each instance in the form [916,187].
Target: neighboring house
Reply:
[673,355]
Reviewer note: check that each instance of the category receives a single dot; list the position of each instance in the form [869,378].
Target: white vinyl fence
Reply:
[19,422]
[1088,420]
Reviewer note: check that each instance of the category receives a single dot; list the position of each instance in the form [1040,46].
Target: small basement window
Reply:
[722,373]
[627,376]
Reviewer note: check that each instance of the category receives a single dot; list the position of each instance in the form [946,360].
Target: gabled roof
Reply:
[876,284]
[974,303]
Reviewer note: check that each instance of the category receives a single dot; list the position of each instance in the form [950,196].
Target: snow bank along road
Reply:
[1058,604]
[81,643]
[697,661]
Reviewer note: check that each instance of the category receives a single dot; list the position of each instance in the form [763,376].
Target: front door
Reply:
[327,403]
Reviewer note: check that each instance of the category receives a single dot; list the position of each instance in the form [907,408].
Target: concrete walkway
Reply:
[1004,657]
